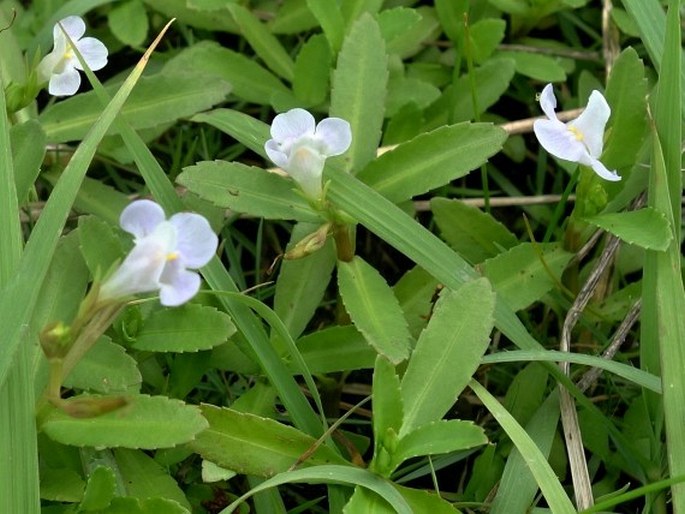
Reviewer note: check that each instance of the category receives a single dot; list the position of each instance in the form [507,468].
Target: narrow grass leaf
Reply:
[447,353]
[549,484]
[265,44]
[359,89]
[374,309]
[331,474]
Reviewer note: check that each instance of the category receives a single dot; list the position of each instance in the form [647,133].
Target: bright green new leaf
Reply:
[258,446]
[189,328]
[474,234]
[447,353]
[646,228]
[443,436]
[526,272]
[146,422]
[359,89]
[352,10]
[61,484]
[156,100]
[247,189]
[374,309]
[28,150]
[486,35]
[432,159]
[330,18]
[451,14]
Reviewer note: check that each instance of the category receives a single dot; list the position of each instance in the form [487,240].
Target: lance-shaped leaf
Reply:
[647,228]
[374,309]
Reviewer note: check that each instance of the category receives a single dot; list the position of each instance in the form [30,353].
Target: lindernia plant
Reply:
[60,67]
[580,140]
[300,147]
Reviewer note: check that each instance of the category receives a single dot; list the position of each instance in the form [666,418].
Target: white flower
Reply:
[579,140]
[300,147]
[60,66]
[163,252]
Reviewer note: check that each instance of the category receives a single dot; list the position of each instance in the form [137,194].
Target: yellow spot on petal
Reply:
[172,256]
[576,133]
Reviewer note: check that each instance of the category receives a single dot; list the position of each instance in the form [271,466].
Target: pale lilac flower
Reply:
[300,147]
[60,66]
[164,252]
[580,140]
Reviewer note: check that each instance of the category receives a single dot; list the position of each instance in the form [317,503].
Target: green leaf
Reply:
[415,292]
[443,436]
[395,23]
[547,480]
[145,478]
[330,474]
[248,79]
[414,39]
[353,10]
[156,100]
[374,309]
[404,91]
[486,35]
[336,349]
[387,414]
[247,189]
[106,368]
[265,44]
[474,234]
[646,228]
[432,159]
[627,95]
[100,247]
[536,66]
[447,353]
[363,501]
[292,17]
[28,150]
[144,506]
[253,445]
[147,422]
[330,18]
[61,484]
[302,282]
[312,71]
[451,14]
[359,89]
[99,490]
[249,131]
[189,328]
[521,275]
[128,22]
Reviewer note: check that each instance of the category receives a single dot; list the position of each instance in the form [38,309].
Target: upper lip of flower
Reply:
[580,140]
[60,66]
[300,146]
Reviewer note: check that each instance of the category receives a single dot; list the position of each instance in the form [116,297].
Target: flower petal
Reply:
[292,124]
[273,150]
[94,52]
[305,166]
[555,137]
[196,241]
[548,102]
[180,288]
[336,135]
[141,217]
[139,273]
[591,123]
[73,25]
[65,83]
[47,66]
[603,172]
